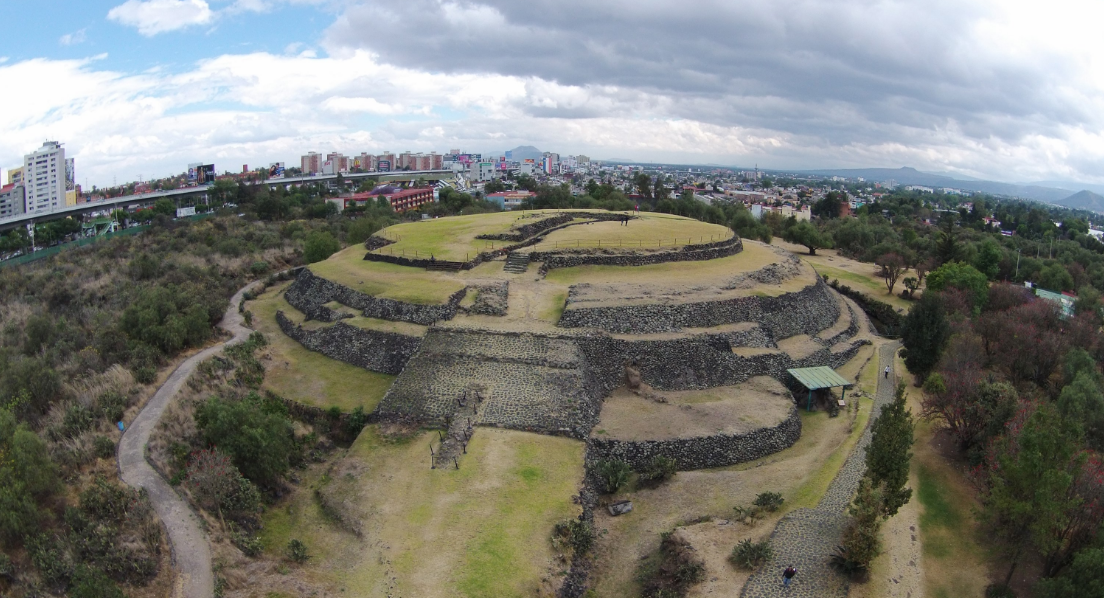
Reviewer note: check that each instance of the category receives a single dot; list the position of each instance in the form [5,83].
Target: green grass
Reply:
[868,285]
[938,513]
[389,281]
[810,492]
[480,531]
[452,238]
[311,378]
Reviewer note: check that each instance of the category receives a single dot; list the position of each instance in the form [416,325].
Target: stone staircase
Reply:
[516,263]
[461,426]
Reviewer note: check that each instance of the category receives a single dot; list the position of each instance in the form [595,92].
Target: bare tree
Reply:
[892,268]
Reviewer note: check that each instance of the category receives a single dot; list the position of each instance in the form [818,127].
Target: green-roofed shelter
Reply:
[819,378]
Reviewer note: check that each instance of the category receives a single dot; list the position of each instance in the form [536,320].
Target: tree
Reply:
[1082,403]
[1031,500]
[319,246]
[1084,578]
[1055,277]
[1088,302]
[643,185]
[830,206]
[947,247]
[494,186]
[924,334]
[963,277]
[860,543]
[988,258]
[889,453]
[805,233]
[892,267]
[27,478]
[257,438]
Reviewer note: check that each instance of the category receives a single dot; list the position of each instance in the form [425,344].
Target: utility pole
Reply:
[1017,263]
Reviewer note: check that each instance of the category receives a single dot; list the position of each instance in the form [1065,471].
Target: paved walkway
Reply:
[190,550]
[806,538]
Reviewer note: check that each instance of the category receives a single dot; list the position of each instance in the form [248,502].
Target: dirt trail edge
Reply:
[190,551]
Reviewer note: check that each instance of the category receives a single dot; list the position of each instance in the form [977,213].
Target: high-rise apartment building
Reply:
[311,163]
[339,161]
[46,178]
[15,176]
[11,200]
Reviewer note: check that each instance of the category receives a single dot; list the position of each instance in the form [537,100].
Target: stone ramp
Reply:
[528,382]
[806,538]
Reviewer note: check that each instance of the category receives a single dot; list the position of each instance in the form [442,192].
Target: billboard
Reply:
[276,170]
[383,166]
[182,212]
[201,174]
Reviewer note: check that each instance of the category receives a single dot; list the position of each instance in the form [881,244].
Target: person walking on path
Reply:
[887,372]
[788,575]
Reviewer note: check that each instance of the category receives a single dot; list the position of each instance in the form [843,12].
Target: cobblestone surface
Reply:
[806,538]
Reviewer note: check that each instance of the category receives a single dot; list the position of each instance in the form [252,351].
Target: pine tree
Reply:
[925,333]
[888,455]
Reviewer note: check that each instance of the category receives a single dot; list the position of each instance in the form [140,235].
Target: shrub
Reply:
[659,469]
[258,268]
[678,568]
[355,422]
[999,590]
[259,442]
[88,582]
[249,544]
[769,501]
[613,474]
[111,405]
[104,447]
[749,555]
[77,419]
[579,535]
[319,246]
[219,487]
[297,551]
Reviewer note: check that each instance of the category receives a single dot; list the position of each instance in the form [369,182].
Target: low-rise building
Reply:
[510,200]
[400,200]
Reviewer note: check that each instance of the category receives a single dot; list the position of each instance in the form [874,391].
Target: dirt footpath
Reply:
[190,550]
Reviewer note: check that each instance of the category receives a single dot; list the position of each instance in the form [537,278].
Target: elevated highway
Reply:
[198,195]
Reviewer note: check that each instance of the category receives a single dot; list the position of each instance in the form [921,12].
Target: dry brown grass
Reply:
[760,402]
[649,231]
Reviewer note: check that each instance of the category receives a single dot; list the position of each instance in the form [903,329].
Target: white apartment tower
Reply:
[45,174]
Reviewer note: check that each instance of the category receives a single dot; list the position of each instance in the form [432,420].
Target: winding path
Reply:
[190,550]
[806,538]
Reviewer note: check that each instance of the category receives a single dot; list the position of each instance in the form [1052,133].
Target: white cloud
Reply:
[151,17]
[72,39]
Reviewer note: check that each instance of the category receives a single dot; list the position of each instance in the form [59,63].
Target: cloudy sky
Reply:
[1010,91]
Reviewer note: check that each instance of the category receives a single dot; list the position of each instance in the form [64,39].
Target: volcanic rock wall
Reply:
[310,294]
[702,452]
[378,351]
[610,257]
[808,311]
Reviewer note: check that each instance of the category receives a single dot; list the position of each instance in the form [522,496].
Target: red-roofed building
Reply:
[401,200]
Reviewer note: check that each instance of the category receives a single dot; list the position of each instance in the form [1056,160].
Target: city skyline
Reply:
[1009,92]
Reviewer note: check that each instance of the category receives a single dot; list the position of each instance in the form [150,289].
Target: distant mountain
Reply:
[911,176]
[1084,200]
[1069,186]
[524,152]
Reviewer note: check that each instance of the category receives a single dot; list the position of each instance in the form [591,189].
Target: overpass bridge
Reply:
[198,195]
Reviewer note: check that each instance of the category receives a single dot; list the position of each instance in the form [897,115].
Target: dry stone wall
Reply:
[378,351]
[521,233]
[807,311]
[610,257]
[310,294]
[700,452]
[696,362]
[529,382]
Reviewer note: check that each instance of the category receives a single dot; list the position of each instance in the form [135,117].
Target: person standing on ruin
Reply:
[788,575]
[887,372]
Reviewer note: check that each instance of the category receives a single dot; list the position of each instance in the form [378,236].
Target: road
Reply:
[191,552]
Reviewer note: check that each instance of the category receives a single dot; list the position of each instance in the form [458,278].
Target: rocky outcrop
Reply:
[378,351]
[310,294]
